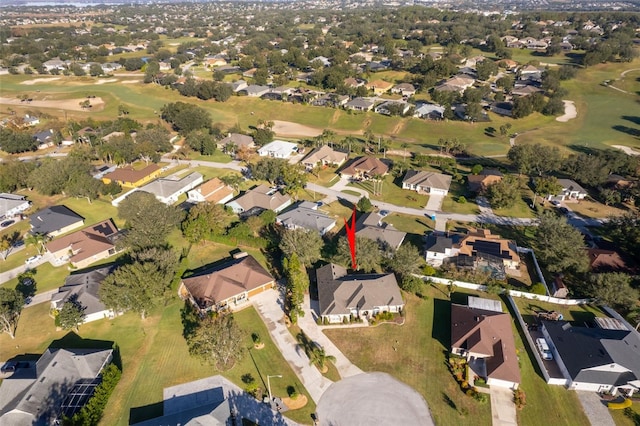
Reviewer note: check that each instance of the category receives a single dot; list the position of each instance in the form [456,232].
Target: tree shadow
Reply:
[582,317]
[628,130]
[633,119]
[449,401]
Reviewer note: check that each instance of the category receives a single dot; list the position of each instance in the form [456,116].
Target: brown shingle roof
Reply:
[214,190]
[605,260]
[326,154]
[368,165]
[129,174]
[226,280]
[488,333]
[87,242]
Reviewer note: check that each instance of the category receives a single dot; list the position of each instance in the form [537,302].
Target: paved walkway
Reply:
[270,307]
[308,324]
[503,409]
[595,410]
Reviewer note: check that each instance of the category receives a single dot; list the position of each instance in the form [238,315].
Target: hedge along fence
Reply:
[258,243]
[514,293]
[535,263]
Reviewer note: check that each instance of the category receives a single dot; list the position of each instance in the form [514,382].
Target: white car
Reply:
[543,347]
[33,259]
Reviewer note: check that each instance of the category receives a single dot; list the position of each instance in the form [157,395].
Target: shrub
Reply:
[480,397]
[428,270]
[462,199]
[292,392]
[256,338]
[519,398]
[91,413]
[464,384]
[539,288]
[325,321]
[319,321]
[625,403]
[345,320]
[469,392]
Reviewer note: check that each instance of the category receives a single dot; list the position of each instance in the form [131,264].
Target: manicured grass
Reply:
[577,314]
[555,404]
[519,209]
[621,419]
[326,177]
[422,345]
[594,209]
[415,226]
[217,157]
[451,203]
[393,193]
[154,356]
[95,211]
[210,172]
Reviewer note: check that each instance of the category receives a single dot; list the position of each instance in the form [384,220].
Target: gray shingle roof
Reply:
[339,292]
[427,179]
[305,217]
[84,286]
[370,226]
[53,219]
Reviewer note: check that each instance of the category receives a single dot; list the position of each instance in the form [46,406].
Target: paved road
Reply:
[270,307]
[12,273]
[308,324]
[595,409]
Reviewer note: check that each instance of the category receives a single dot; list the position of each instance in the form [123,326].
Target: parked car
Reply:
[563,210]
[8,367]
[33,259]
[384,213]
[543,347]
[7,223]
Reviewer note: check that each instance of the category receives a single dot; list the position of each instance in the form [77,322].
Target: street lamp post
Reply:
[269,385]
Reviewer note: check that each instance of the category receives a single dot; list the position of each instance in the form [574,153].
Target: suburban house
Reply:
[359,104]
[128,176]
[570,191]
[255,91]
[87,246]
[429,182]
[278,149]
[483,334]
[54,221]
[393,108]
[238,85]
[353,83]
[12,204]
[238,140]
[212,191]
[45,139]
[82,288]
[59,383]
[601,260]
[258,199]
[379,86]
[213,401]
[405,89]
[481,181]
[365,168]
[605,358]
[342,295]
[458,83]
[476,249]
[325,156]
[305,215]
[370,226]
[429,111]
[167,190]
[229,285]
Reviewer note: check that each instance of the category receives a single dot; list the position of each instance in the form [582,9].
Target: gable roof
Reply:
[165,187]
[34,395]
[278,148]
[605,260]
[87,242]
[488,333]
[306,215]
[53,219]
[481,241]
[369,165]
[226,280]
[214,190]
[360,103]
[263,197]
[325,154]
[339,292]
[583,348]
[427,179]
[9,202]
[129,174]
[571,185]
[238,139]
[370,226]
[84,286]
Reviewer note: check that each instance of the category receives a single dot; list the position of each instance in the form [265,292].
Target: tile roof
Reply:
[339,292]
[226,280]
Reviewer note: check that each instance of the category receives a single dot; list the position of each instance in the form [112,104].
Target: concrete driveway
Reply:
[503,409]
[435,202]
[595,409]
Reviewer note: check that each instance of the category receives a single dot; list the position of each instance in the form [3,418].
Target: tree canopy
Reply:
[559,245]
[305,243]
[11,302]
[147,220]
[217,340]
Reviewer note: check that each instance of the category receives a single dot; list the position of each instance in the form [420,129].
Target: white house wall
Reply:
[502,383]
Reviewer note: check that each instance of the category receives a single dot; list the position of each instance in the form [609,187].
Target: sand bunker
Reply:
[39,80]
[289,129]
[627,150]
[107,80]
[130,81]
[570,112]
[97,104]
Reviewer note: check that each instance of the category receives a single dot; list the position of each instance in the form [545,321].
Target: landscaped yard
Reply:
[416,227]
[594,209]
[326,177]
[577,314]
[452,204]
[154,355]
[393,193]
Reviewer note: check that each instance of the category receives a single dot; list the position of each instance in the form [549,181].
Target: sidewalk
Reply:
[269,306]
[308,324]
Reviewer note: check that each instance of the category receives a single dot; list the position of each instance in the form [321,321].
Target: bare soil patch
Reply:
[108,80]
[294,404]
[570,112]
[97,104]
[289,129]
[627,150]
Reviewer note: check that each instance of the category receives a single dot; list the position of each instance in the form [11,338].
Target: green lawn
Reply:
[326,177]
[621,419]
[154,356]
[415,226]
[451,203]
[419,360]
[393,193]
[577,314]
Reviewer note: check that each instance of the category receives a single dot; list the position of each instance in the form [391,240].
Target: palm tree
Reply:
[37,240]
[233,181]
[319,357]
